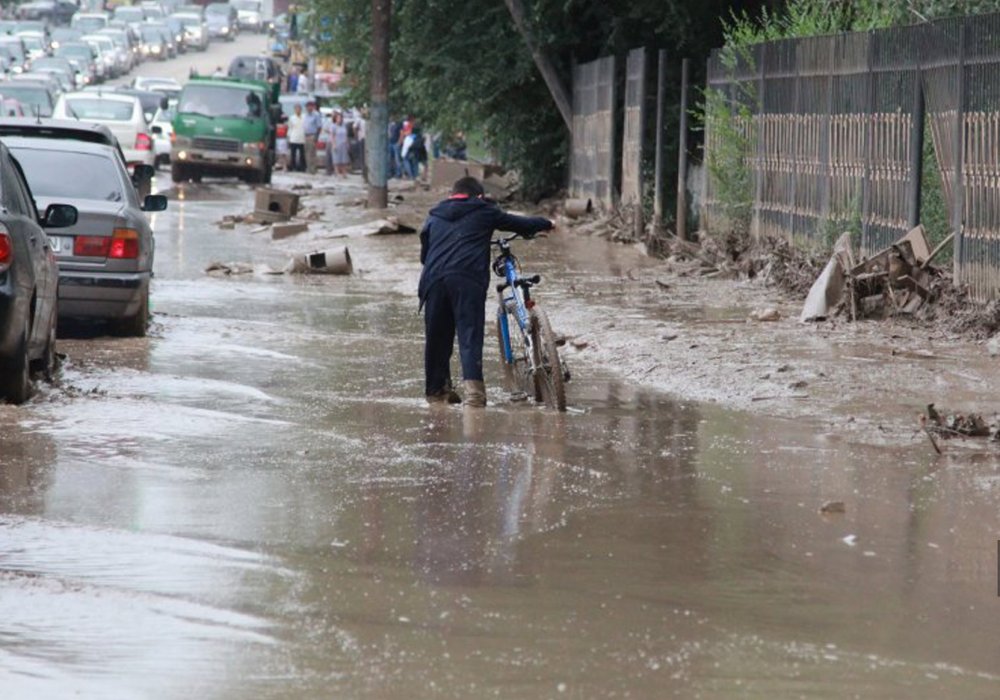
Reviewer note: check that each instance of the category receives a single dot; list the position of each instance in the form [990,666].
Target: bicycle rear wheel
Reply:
[516,373]
[549,377]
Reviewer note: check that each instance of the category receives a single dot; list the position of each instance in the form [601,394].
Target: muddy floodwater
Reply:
[255,502]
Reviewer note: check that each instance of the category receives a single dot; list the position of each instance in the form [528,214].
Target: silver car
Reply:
[106,258]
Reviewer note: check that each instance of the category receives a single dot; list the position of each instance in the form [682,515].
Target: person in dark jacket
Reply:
[455,253]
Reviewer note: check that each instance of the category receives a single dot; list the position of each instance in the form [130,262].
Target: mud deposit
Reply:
[256,502]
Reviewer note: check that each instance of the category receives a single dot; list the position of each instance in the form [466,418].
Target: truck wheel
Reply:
[267,175]
[178,173]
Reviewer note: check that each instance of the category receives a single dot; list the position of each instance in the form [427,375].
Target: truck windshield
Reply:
[214,101]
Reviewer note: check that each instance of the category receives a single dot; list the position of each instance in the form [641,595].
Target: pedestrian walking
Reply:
[302,88]
[312,122]
[339,146]
[395,164]
[455,254]
[292,82]
[297,140]
[360,133]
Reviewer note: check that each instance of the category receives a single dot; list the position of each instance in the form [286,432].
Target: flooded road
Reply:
[256,502]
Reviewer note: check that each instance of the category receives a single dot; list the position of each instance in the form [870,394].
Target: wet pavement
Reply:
[256,502]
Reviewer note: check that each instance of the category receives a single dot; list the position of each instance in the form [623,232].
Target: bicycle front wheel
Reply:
[549,373]
[516,373]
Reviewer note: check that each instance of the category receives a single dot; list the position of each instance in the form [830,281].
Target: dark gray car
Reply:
[106,258]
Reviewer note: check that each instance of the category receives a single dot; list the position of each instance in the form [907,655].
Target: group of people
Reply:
[312,137]
[409,146]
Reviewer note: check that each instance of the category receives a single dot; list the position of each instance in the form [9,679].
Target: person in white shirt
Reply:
[297,140]
[303,87]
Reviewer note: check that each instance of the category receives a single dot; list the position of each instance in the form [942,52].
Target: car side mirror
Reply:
[143,172]
[157,130]
[154,202]
[59,216]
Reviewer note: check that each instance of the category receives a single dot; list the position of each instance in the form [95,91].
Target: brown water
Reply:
[255,502]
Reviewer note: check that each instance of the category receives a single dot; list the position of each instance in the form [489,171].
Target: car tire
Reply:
[134,326]
[48,363]
[178,173]
[15,377]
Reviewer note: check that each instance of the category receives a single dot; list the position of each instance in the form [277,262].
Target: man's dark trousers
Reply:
[453,303]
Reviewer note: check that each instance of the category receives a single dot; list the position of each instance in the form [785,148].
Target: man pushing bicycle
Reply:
[455,253]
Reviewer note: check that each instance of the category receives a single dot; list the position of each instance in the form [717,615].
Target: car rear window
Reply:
[31,97]
[57,174]
[96,108]
[129,14]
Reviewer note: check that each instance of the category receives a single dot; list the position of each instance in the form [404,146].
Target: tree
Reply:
[462,65]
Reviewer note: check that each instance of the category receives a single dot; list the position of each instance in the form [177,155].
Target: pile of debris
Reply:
[898,280]
[951,425]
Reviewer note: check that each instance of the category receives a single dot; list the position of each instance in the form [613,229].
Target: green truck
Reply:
[225,127]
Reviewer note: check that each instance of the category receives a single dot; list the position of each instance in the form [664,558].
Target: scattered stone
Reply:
[831,507]
[668,337]
[993,347]
[766,314]
[662,285]
[233,268]
[226,225]
[801,384]
[580,344]
[280,231]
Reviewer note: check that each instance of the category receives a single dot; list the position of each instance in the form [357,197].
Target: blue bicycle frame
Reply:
[513,301]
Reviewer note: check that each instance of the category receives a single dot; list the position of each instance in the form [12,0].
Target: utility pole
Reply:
[377,137]
[556,88]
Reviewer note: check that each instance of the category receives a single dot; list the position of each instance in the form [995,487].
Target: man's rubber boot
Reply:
[446,395]
[475,393]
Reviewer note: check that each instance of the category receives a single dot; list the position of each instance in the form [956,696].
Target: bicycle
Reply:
[529,357]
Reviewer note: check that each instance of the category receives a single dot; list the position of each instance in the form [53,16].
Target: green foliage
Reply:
[730,126]
[462,65]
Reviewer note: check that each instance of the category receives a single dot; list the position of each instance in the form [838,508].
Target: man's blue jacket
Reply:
[455,239]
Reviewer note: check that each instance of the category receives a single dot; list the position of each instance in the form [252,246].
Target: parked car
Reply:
[35,97]
[122,42]
[65,71]
[36,44]
[107,54]
[11,107]
[54,12]
[222,20]
[262,68]
[15,45]
[62,35]
[33,25]
[50,81]
[130,14]
[29,279]
[162,129]
[249,15]
[105,262]
[154,44]
[195,30]
[81,55]
[168,37]
[88,22]
[176,27]
[149,99]
[123,114]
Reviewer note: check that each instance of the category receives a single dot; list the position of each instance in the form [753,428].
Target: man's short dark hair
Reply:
[468,186]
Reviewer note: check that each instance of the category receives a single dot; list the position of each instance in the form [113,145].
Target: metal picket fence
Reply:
[835,135]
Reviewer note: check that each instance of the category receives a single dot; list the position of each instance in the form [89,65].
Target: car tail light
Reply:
[124,244]
[282,131]
[143,142]
[6,251]
[262,146]
[91,246]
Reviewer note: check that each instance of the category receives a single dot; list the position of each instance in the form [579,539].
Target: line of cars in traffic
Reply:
[76,163]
